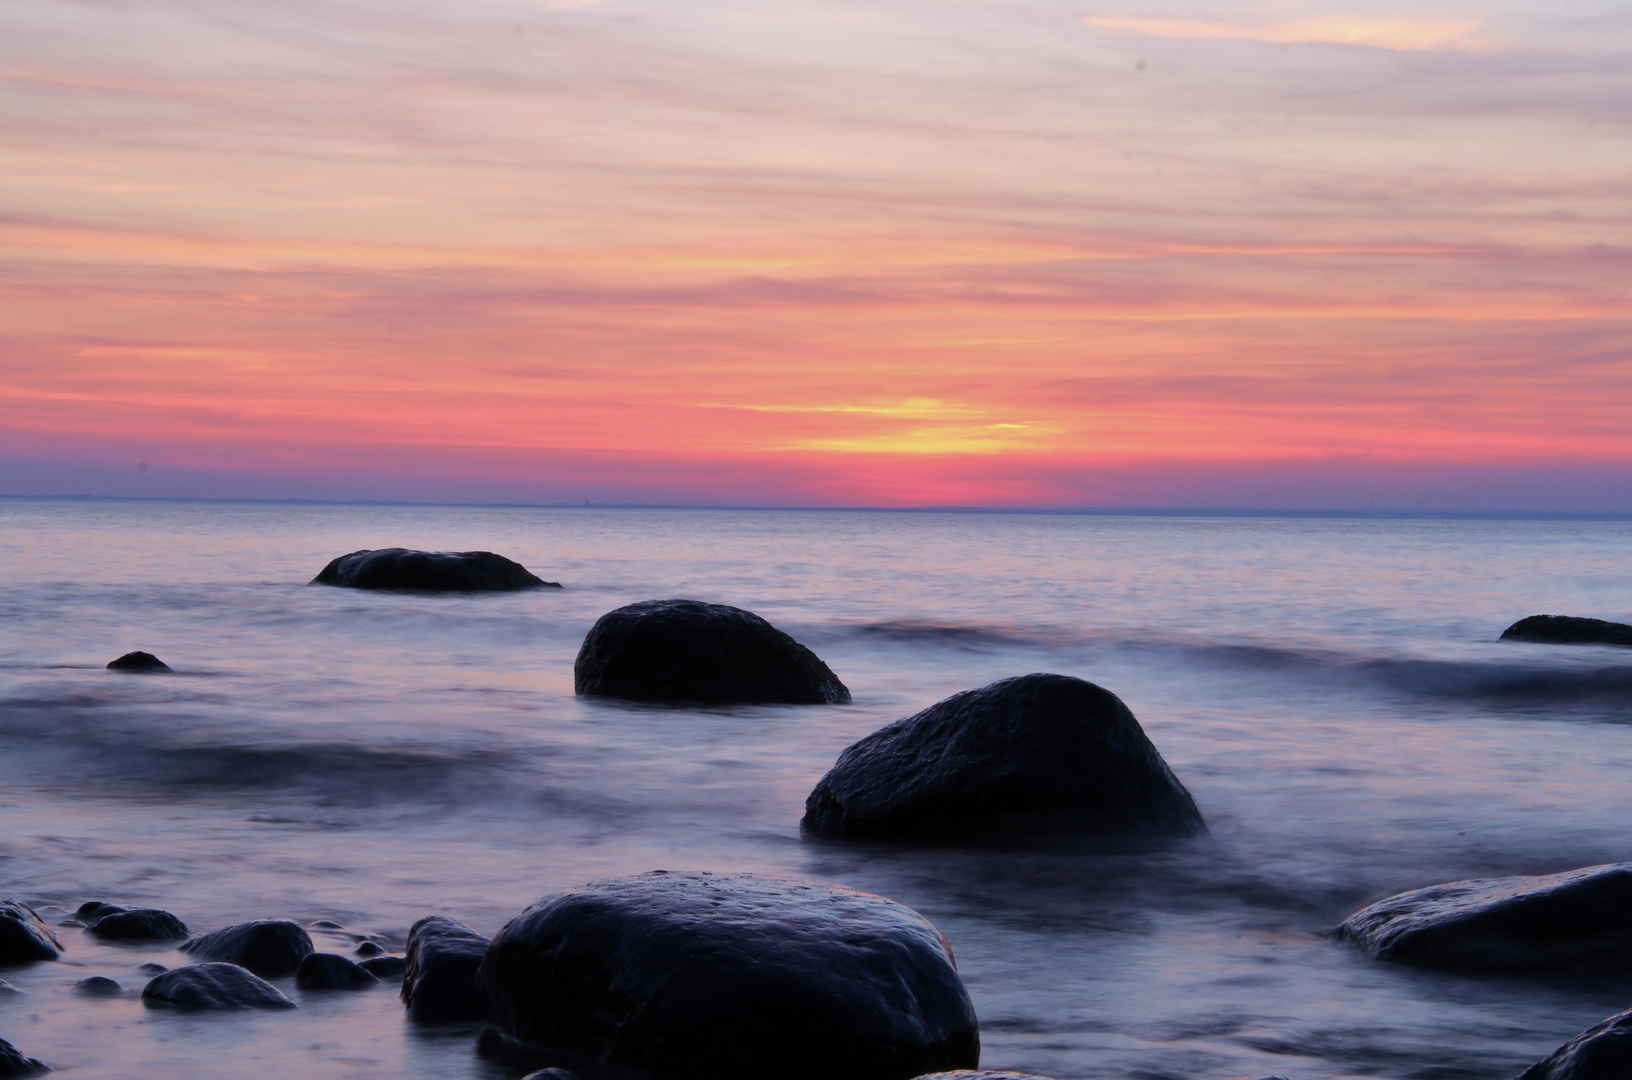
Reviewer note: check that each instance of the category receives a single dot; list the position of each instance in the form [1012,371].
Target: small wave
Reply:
[955,634]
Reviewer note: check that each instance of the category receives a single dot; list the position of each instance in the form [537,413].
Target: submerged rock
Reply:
[99,986]
[429,571]
[215,986]
[91,910]
[328,971]
[1568,630]
[686,651]
[1602,1052]
[1037,753]
[385,967]
[1578,922]
[268,947]
[152,969]
[369,948]
[13,1063]
[8,990]
[138,661]
[138,924]
[732,977]
[439,976]
[24,938]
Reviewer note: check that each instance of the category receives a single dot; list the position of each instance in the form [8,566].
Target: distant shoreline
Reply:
[1378,514]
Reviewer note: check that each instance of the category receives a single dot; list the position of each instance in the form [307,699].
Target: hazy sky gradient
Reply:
[909,253]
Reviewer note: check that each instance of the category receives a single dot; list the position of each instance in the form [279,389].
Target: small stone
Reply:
[71,924]
[439,982]
[369,948]
[98,986]
[325,924]
[214,986]
[268,947]
[139,924]
[91,910]
[385,967]
[138,661]
[328,971]
[13,1063]
[23,937]
[152,969]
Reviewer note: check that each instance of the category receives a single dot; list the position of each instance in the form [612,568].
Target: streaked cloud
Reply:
[1399,34]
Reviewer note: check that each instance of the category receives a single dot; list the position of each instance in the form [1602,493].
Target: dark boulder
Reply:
[385,967]
[152,969]
[1578,922]
[138,661]
[23,937]
[91,910]
[269,947]
[551,1074]
[429,571]
[439,980]
[686,651]
[1568,630]
[369,948]
[1025,756]
[214,986]
[13,1063]
[1602,1052]
[732,977]
[138,924]
[98,986]
[328,971]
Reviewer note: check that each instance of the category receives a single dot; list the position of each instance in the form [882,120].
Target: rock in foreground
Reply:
[1037,753]
[13,1063]
[439,981]
[23,937]
[138,924]
[1568,630]
[328,971]
[429,571]
[1603,1052]
[214,986]
[1578,922]
[138,661]
[270,948]
[686,651]
[696,976]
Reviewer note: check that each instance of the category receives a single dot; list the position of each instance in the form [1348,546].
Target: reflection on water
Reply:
[1332,692]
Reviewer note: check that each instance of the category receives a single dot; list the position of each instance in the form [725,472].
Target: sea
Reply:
[1331,690]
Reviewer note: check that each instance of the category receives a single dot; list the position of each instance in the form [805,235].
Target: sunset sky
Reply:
[786,252]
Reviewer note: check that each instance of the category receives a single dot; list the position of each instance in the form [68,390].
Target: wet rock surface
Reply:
[1602,1052]
[328,971]
[439,976]
[13,1063]
[732,977]
[214,986]
[1037,754]
[91,910]
[1568,630]
[1579,922]
[138,661]
[98,986]
[270,948]
[690,652]
[24,938]
[385,967]
[139,924]
[429,571]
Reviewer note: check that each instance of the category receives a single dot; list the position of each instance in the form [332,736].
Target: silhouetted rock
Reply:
[324,924]
[91,910]
[1575,922]
[439,980]
[214,986]
[1568,630]
[732,977]
[1602,1052]
[13,1063]
[23,937]
[98,986]
[138,661]
[139,924]
[152,969]
[686,651]
[385,967]
[327,971]
[269,947]
[429,571]
[369,948]
[1029,755]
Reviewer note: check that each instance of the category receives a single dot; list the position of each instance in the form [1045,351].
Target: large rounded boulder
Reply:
[1037,754]
[1568,630]
[429,571]
[271,948]
[218,987]
[24,937]
[696,976]
[1579,922]
[686,651]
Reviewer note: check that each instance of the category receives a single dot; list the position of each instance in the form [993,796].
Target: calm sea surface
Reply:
[1332,693]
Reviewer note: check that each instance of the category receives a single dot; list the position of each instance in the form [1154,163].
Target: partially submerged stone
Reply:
[429,571]
[268,947]
[214,986]
[13,1063]
[98,986]
[1602,1052]
[138,924]
[1033,754]
[328,971]
[1579,922]
[732,977]
[679,652]
[24,937]
[385,967]
[1568,630]
[138,661]
[439,977]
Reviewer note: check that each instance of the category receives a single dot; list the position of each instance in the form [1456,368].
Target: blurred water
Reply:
[1332,692]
